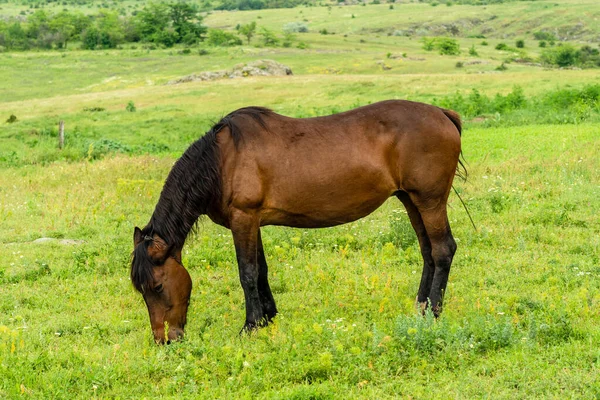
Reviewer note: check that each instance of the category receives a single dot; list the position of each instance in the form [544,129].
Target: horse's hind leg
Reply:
[443,248]
[264,290]
[428,264]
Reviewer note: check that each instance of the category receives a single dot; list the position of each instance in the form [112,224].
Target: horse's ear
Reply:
[137,236]
[158,248]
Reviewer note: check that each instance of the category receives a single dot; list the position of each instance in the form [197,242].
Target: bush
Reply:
[295,27]
[541,35]
[501,46]
[560,106]
[448,46]
[445,46]
[520,44]
[268,37]
[563,56]
[473,51]
[589,57]
[218,37]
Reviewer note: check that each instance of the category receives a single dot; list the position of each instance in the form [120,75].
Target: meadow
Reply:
[522,308]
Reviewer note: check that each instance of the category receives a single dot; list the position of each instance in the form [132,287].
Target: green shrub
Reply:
[541,35]
[520,43]
[563,56]
[445,46]
[501,46]
[218,37]
[295,27]
[268,37]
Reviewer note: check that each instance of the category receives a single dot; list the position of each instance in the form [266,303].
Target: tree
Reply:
[168,24]
[37,24]
[268,37]
[248,30]
[105,33]
[153,19]
[186,22]
[16,37]
[64,25]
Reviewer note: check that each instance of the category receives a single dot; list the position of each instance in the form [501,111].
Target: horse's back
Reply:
[328,170]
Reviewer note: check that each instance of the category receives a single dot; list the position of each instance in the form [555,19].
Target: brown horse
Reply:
[257,168]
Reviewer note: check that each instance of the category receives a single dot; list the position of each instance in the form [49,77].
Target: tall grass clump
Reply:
[572,105]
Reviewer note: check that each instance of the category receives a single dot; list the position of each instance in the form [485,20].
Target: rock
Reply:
[59,241]
[255,68]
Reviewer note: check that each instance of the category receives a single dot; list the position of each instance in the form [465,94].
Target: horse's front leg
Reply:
[244,227]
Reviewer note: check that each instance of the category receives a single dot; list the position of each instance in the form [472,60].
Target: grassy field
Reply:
[522,309]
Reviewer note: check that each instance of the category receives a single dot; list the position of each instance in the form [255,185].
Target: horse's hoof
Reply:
[249,327]
[268,317]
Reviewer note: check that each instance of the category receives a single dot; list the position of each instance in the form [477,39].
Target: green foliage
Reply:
[162,23]
[257,4]
[501,67]
[563,56]
[559,106]
[566,55]
[445,46]
[218,37]
[268,37]
[130,106]
[544,35]
[170,23]
[295,27]
[502,46]
[288,39]
[473,52]
[520,44]
[248,30]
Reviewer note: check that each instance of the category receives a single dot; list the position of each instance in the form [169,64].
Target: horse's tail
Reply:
[455,118]
[461,170]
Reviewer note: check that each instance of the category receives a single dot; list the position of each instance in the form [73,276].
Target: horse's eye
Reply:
[158,288]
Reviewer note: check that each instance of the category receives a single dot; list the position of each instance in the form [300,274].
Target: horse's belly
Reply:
[323,204]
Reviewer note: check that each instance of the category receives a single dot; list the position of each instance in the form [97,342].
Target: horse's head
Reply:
[157,273]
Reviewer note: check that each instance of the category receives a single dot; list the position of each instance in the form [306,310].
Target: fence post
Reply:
[61,134]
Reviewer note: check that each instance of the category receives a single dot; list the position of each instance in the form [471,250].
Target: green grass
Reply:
[522,304]
[574,20]
[523,289]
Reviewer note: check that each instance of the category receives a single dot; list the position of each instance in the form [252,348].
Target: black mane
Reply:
[193,184]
